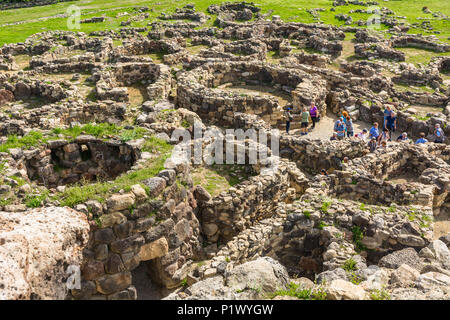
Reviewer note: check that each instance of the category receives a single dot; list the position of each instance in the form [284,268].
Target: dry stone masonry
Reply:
[93,169]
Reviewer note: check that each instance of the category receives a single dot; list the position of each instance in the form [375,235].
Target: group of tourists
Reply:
[376,138]
[343,127]
[305,116]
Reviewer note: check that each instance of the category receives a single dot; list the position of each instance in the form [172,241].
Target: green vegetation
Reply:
[35,201]
[412,215]
[217,178]
[294,290]
[32,139]
[357,237]
[307,213]
[349,265]
[288,10]
[354,278]
[380,294]
[83,191]
[101,130]
[422,56]
[392,208]
[325,206]
[321,225]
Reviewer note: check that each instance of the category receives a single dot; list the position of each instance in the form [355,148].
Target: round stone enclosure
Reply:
[86,158]
[197,90]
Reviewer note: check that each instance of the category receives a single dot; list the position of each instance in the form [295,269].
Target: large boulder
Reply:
[5,96]
[251,280]
[344,290]
[394,260]
[264,274]
[36,248]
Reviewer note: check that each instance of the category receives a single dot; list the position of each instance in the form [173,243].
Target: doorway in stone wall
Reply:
[146,288]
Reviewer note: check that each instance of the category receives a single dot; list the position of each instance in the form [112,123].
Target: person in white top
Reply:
[363,135]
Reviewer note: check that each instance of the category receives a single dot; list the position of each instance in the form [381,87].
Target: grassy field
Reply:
[38,19]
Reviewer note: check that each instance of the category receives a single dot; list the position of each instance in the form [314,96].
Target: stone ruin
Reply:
[87,159]
[284,220]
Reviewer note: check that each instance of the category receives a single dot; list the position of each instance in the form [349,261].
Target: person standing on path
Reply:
[387,112]
[313,112]
[341,131]
[439,133]
[305,121]
[349,127]
[288,116]
[390,122]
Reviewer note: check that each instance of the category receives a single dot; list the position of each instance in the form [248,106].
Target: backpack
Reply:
[288,116]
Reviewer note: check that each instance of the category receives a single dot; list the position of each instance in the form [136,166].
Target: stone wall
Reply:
[28,4]
[378,50]
[361,177]
[26,88]
[88,158]
[157,76]
[419,42]
[195,90]
[157,228]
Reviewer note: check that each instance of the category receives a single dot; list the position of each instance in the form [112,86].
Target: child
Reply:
[374,132]
[421,139]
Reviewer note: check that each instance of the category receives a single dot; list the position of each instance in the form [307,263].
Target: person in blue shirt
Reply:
[338,121]
[390,122]
[374,132]
[421,139]
[387,112]
[439,133]
[340,130]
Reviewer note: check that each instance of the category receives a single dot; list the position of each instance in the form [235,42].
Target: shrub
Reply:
[357,237]
[35,201]
[381,294]
[294,290]
[349,265]
[325,206]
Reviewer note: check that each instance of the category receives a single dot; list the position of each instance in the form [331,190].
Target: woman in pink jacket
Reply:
[313,112]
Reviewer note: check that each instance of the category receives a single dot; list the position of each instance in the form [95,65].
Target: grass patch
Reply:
[217,178]
[357,237]
[380,294]
[325,206]
[32,139]
[294,290]
[349,265]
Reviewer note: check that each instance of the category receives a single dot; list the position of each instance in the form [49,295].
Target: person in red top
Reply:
[313,112]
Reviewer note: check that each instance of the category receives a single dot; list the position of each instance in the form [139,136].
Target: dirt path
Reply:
[441,225]
[324,128]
